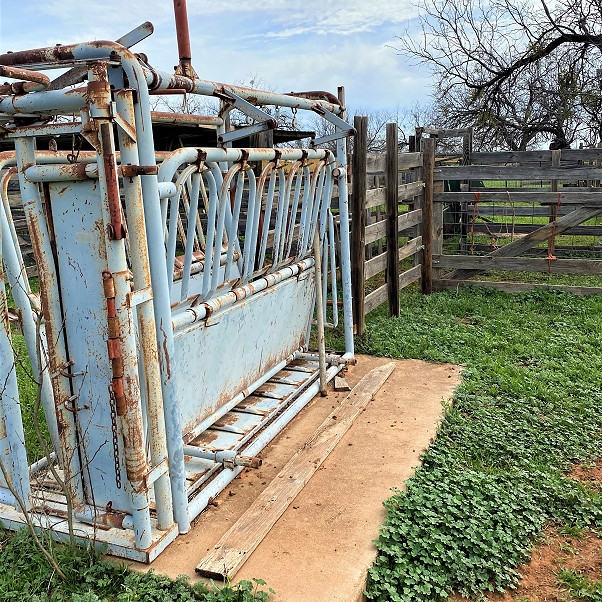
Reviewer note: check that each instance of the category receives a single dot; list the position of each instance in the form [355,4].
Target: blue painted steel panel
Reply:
[81,253]
[214,363]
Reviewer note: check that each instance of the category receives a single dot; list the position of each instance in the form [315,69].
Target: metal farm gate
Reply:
[177,292]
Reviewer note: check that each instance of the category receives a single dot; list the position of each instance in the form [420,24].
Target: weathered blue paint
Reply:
[195,316]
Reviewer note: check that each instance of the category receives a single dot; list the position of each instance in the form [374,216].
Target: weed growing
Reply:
[25,575]
[530,403]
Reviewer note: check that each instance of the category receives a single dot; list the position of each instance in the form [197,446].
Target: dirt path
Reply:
[321,547]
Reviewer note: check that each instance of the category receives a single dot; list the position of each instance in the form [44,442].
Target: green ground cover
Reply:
[530,405]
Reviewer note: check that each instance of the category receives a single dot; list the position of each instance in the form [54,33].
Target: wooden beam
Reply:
[515,287]
[377,163]
[585,154]
[409,276]
[404,221]
[516,195]
[392,221]
[519,246]
[519,264]
[239,542]
[358,223]
[428,167]
[480,172]
[379,263]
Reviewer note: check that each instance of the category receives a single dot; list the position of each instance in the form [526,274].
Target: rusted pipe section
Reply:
[318,95]
[138,251]
[320,312]
[34,81]
[185,119]
[183,36]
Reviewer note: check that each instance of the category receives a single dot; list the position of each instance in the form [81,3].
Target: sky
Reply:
[291,46]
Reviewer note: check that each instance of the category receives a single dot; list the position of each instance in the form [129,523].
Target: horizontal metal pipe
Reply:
[41,464]
[192,155]
[61,173]
[200,502]
[190,316]
[158,80]
[185,119]
[49,101]
[228,458]
[34,81]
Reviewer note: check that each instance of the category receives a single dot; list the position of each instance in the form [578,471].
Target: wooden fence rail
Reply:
[496,212]
[386,229]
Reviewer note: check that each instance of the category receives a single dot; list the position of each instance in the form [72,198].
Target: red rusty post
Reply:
[183,36]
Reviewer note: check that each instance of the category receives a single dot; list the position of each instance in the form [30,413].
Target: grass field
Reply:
[529,406]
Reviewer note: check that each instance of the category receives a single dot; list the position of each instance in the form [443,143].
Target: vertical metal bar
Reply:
[233,230]
[333,270]
[297,176]
[174,219]
[254,200]
[183,36]
[53,319]
[125,367]
[18,468]
[320,313]
[267,216]
[213,205]
[146,318]
[17,280]
[192,212]
[162,306]
[344,232]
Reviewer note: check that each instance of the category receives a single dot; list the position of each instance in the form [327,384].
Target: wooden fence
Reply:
[378,224]
[533,211]
[460,216]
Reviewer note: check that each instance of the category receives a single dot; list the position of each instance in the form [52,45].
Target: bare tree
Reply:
[520,71]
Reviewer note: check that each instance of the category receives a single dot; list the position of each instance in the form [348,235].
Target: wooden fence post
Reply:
[392,198]
[428,166]
[358,221]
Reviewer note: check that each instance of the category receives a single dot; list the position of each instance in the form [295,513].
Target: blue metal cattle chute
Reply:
[177,291]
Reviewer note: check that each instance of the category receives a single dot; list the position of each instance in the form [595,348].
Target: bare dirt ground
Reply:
[558,551]
[321,548]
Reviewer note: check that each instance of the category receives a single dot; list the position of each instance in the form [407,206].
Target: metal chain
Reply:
[115,438]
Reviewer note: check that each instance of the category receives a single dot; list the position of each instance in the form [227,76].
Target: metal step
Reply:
[249,417]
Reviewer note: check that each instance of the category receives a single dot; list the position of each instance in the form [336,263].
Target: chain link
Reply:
[115,438]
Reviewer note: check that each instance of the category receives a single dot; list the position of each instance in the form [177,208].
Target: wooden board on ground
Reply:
[246,534]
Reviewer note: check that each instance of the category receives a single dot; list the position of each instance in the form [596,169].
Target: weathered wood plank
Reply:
[375,298]
[519,264]
[485,172]
[586,198]
[506,228]
[516,287]
[404,221]
[376,163]
[449,133]
[409,276]
[239,542]
[379,263]
[586,154]
[518,247]
[377,196]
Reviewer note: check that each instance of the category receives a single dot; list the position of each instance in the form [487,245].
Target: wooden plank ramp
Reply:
[239,542]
